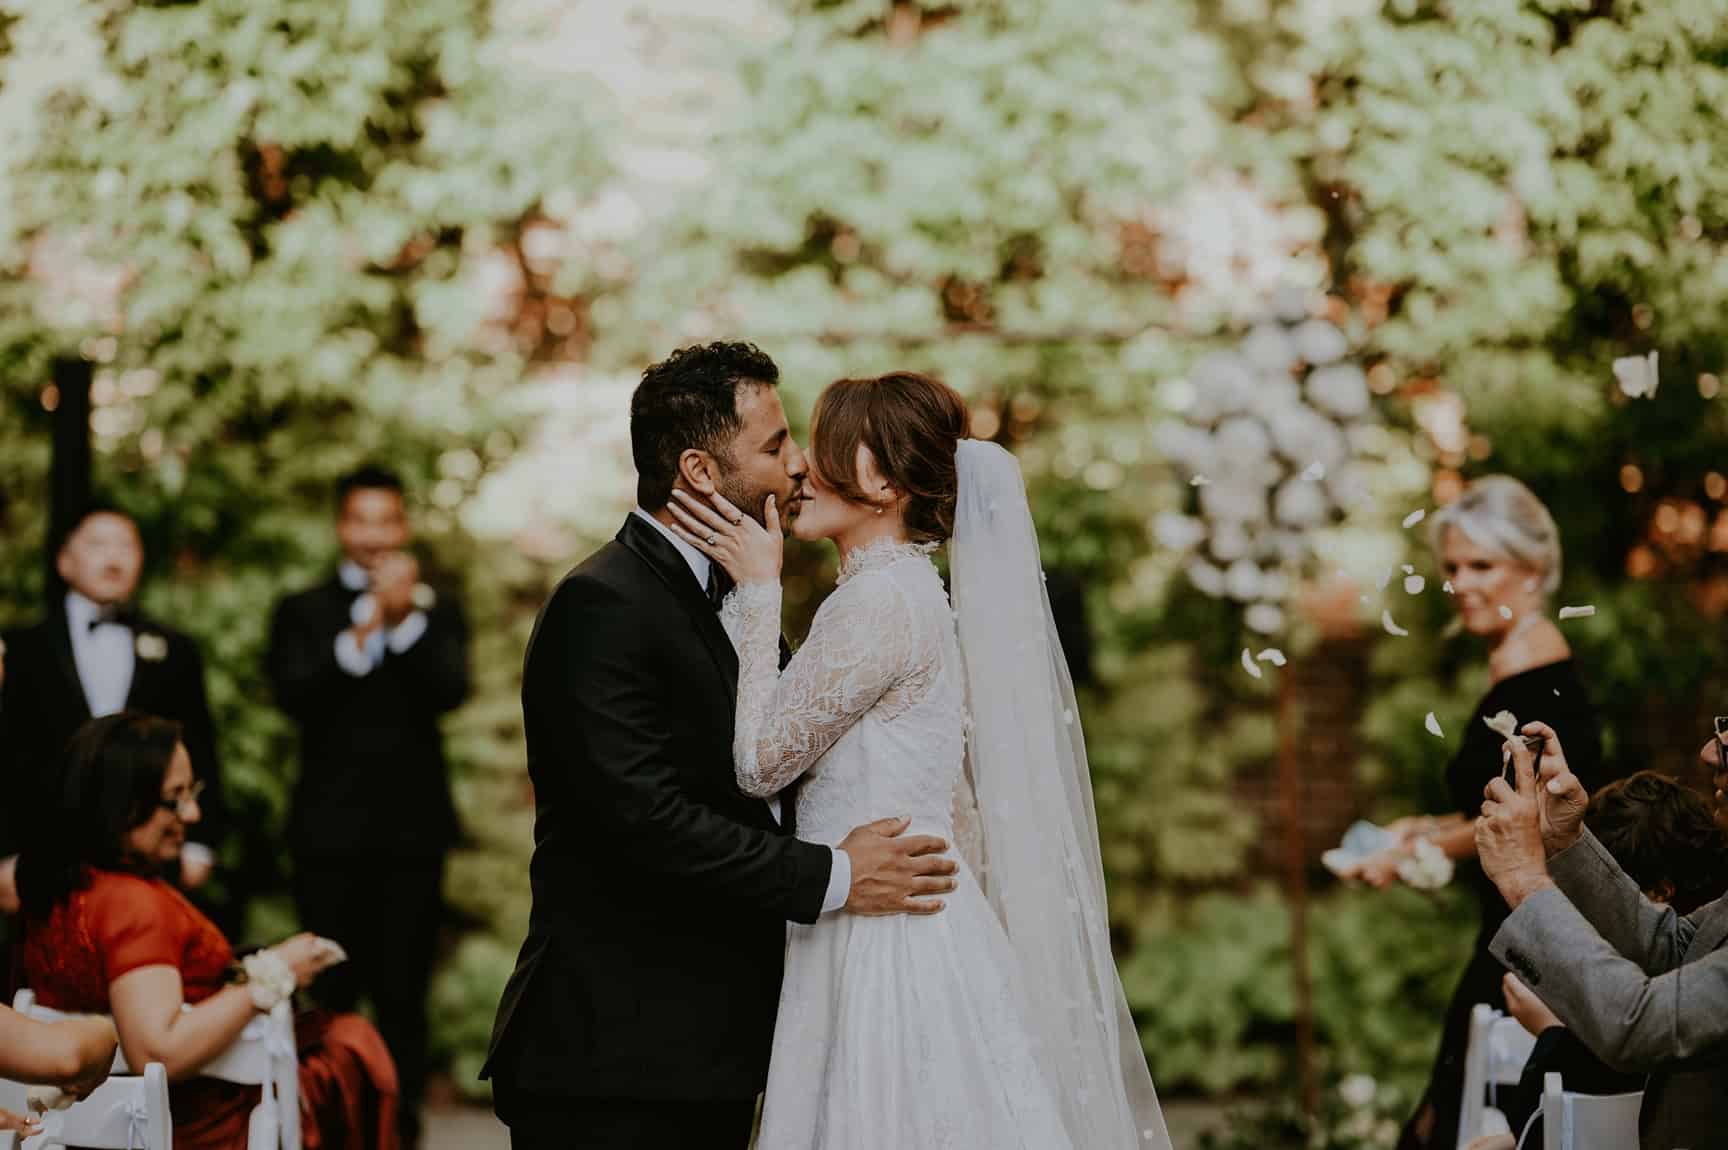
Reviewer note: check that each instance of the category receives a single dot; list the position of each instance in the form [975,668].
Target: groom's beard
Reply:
[751,498]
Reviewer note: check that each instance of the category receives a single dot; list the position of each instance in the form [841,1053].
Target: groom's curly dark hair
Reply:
[690,400]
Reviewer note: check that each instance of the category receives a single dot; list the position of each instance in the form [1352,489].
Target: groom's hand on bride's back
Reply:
[892,874]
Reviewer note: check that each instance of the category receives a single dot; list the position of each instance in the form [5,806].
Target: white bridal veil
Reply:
[1040,832]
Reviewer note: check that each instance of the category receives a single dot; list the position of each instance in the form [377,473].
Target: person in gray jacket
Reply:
[1646,989]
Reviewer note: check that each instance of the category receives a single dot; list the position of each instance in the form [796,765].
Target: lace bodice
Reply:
[871,709]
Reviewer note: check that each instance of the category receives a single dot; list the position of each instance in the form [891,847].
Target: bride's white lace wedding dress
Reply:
[898,1031]
[999,1023]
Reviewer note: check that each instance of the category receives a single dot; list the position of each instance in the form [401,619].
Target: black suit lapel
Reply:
[669,566]
[60,640]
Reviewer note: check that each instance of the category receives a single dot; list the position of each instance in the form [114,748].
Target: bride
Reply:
[999,1022]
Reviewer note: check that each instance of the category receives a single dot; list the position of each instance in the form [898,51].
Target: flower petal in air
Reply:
[1249,665]
[1503,723]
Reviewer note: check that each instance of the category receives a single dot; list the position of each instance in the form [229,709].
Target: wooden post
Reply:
[69,474]
[1296,883]
[1331,604]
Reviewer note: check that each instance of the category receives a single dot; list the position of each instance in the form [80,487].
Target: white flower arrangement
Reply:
[1266,432]
[268,979]
[1265,618]
[1358,1091]
[1427,868]
[150,647]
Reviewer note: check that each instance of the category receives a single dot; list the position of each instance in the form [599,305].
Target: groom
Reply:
[641,1011]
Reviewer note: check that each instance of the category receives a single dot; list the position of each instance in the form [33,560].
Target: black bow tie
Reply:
[116,613]
[719,585]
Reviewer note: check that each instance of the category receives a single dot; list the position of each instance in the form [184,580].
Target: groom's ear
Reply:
[697,471]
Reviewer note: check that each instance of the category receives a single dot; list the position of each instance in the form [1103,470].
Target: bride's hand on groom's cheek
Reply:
[749,551]
[892,874]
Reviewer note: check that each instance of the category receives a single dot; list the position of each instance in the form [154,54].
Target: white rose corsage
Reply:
[150,648]
[268,979]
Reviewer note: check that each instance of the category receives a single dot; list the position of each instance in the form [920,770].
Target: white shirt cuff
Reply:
[406,633]
[839,881]
[354,659]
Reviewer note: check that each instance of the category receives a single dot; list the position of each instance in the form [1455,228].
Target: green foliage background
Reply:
[278,227]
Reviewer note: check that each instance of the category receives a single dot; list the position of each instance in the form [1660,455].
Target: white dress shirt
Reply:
[840,876]
[362,661]
[104,654]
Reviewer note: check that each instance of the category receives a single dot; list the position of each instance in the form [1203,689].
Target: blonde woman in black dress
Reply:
[1500,552]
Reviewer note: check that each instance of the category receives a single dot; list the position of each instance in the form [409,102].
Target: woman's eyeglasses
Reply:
[174,804]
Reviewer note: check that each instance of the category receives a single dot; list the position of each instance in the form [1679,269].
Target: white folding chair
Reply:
[1587,1121]
[129,1112]
[264,1056]
[1495,1056]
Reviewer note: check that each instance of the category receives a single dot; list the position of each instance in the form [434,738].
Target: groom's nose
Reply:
[796,465]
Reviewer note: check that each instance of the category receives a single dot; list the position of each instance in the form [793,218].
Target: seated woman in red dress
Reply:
[104,934]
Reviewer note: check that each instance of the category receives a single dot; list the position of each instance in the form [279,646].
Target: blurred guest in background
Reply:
[94,654]
[103,934]
[1501,555]
[366,664]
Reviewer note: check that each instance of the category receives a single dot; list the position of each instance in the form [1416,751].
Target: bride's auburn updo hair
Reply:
[912,425]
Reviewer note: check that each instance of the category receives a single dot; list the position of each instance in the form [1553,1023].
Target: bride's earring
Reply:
[879,509]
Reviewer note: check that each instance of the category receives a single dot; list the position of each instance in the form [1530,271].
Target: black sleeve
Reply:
[595,675]
[11,756]
[1560,701]
[301,662]
[29,756]
[438,661]
[199,731]
[1560,1051]
[1553,697]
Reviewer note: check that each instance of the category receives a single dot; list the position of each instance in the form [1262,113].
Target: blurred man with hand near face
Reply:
[94,654]
[366,665]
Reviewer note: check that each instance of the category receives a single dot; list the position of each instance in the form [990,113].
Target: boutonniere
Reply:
[151,648]
[423,597]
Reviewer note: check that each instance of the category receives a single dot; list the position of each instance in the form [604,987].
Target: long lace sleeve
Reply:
[862,643]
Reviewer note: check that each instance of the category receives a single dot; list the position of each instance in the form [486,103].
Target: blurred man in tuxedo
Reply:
[366,664]
[94,654]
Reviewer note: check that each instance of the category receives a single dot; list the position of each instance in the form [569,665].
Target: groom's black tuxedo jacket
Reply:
[661,892]
[42,705]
